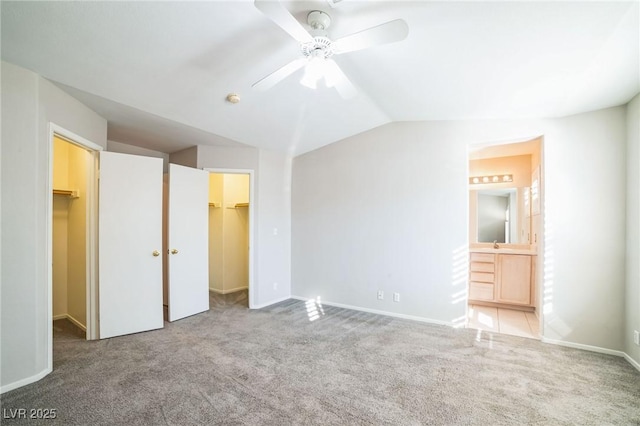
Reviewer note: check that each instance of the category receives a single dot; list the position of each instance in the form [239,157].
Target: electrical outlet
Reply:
[275,286]
[636,337]
[396,297]
[380,294]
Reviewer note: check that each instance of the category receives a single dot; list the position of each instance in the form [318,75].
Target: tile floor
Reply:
[504,321]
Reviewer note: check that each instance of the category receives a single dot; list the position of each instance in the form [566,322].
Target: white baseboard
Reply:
[273,302]
[590,348]
[72,319]
[231,290]
[632,361]
[432,321]
[584,347]
[26,381]
[375,311]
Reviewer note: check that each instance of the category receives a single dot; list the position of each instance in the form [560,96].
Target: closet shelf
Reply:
[236,205]
[66,193]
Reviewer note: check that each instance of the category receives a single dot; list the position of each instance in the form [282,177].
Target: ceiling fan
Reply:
[317,48]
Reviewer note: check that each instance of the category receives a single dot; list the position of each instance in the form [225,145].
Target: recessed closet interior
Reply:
[228,233]
[69,234]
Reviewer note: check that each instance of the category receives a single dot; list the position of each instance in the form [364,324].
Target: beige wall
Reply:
[236,232]
[77,242]
[216,252]
[59,255]
[519,166]
[60,228]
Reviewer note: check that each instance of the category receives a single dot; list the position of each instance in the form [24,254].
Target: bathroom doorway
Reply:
[505,238]
[230,228]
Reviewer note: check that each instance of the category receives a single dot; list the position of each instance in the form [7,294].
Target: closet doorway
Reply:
[72,258]
[230,231]
[125,242]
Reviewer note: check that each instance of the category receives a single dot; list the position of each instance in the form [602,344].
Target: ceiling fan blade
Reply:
[334,77]
[275,11]
[388,32]
[280,74]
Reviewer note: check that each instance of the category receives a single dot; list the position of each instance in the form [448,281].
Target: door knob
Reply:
[156,253]
[174,251]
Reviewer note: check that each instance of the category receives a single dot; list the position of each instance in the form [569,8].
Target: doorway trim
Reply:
[541,251]
[250,172]
[92,234]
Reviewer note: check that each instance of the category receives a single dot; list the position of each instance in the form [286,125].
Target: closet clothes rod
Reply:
[66,192]
[238,205]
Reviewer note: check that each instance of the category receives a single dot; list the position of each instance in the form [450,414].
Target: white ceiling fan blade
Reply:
[336,78]
[280,74]
[275,11]
[389,32]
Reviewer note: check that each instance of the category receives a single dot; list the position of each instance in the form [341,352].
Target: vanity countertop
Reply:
[503,250]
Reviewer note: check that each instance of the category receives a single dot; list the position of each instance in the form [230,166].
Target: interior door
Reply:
[129,244]
[188,244]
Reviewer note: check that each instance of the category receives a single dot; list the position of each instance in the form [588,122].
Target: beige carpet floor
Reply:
[298,363]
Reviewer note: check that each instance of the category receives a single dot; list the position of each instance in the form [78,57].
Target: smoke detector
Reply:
[233,98]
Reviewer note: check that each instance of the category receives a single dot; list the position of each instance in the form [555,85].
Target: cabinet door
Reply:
[481,291]
[515,279]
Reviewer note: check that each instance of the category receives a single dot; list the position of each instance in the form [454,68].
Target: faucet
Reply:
[495,244]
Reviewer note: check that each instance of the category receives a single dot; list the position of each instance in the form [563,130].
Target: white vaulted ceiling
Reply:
[159,72]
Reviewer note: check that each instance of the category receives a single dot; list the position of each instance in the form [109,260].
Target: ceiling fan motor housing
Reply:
[321,46]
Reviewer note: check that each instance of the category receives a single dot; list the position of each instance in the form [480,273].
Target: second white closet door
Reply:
[188,246]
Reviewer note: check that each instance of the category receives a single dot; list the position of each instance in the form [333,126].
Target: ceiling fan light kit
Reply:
[317,49]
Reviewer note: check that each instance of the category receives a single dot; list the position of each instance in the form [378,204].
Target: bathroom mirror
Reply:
[497,216]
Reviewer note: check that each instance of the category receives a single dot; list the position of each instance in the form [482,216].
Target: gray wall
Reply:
[29,103]
[124,148]
[632,297]
[387,210]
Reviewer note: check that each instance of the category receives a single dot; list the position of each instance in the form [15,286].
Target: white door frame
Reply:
[252,204]
[92,236]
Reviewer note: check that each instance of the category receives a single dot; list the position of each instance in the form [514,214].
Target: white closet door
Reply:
[188,242]
[129,244]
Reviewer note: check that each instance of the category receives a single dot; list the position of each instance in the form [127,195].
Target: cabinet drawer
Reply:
[480,291]
[485,277]
[482,267]
[483,257]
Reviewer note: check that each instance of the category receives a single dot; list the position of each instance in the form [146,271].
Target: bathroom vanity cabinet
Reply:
[502,278]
